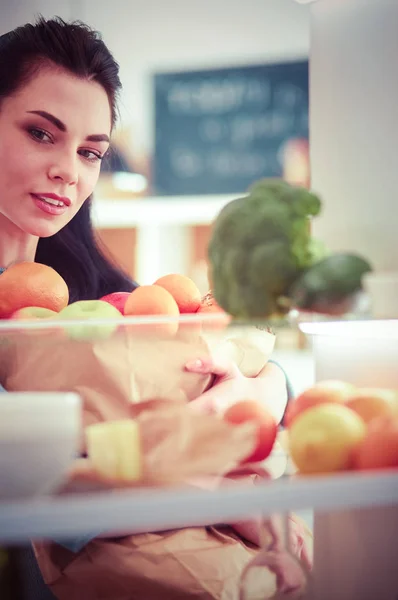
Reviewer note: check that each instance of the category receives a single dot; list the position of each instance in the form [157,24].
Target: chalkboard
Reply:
[217,131]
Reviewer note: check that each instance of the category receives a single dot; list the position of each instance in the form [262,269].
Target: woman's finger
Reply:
[208,366]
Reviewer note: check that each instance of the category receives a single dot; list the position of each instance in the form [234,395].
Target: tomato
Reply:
[250,410]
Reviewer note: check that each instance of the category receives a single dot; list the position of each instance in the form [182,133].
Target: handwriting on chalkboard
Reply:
[222,96]
[217,131]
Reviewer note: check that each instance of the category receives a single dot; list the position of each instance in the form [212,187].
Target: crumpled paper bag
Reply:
[177,445]
[191,563]
[131,366]
[110,374]
[206,563]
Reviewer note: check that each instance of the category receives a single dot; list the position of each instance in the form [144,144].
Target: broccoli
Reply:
[261,254]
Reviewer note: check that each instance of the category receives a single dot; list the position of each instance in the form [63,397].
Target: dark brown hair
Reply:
[79,50]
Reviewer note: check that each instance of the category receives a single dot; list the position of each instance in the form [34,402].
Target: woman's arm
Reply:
[274,389]
[269,387]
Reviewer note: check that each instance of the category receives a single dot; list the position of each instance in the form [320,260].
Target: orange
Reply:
[31,284]
[323,392]
[184,291]
[379,449]
[209,305]
[153,300]
[372,403]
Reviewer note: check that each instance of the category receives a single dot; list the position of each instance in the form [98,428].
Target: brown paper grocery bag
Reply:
[130,366]
[192,563]
[109,374]
[205,563]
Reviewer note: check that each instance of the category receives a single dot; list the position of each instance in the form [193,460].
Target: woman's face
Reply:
[53,134]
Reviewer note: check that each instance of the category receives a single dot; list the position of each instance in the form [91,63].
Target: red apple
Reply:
[249,410]
[117,299]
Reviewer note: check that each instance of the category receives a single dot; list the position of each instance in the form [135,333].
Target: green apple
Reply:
[33,313]
[90,310]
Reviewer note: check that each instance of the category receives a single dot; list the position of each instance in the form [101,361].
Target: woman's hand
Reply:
[230,386]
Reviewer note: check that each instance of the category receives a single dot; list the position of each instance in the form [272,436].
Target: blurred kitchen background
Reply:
[215,97]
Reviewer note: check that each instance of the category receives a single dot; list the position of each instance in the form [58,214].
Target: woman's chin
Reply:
[43,230]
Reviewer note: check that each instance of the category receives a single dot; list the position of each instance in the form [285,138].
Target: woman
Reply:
[58,93]
[57,110]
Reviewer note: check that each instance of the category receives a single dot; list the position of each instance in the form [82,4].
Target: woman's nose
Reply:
[64,169]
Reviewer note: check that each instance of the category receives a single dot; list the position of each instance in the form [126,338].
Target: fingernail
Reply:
[194,364]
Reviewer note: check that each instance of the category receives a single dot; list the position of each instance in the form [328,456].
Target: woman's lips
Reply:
[51,204]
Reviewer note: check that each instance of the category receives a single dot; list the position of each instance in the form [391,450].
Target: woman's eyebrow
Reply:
[54,120]
[96,137]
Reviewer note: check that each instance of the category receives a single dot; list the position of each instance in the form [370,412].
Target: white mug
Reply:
[40,433]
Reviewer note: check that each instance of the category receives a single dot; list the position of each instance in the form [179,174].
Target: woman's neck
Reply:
[15,245]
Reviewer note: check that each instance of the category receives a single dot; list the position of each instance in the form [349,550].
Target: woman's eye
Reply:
[39,135]
[90,155]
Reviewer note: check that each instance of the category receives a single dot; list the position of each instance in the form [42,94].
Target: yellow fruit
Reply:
[114,449]
[323,438]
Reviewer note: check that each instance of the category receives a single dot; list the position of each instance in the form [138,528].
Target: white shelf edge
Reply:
[158,211]
[156,510]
